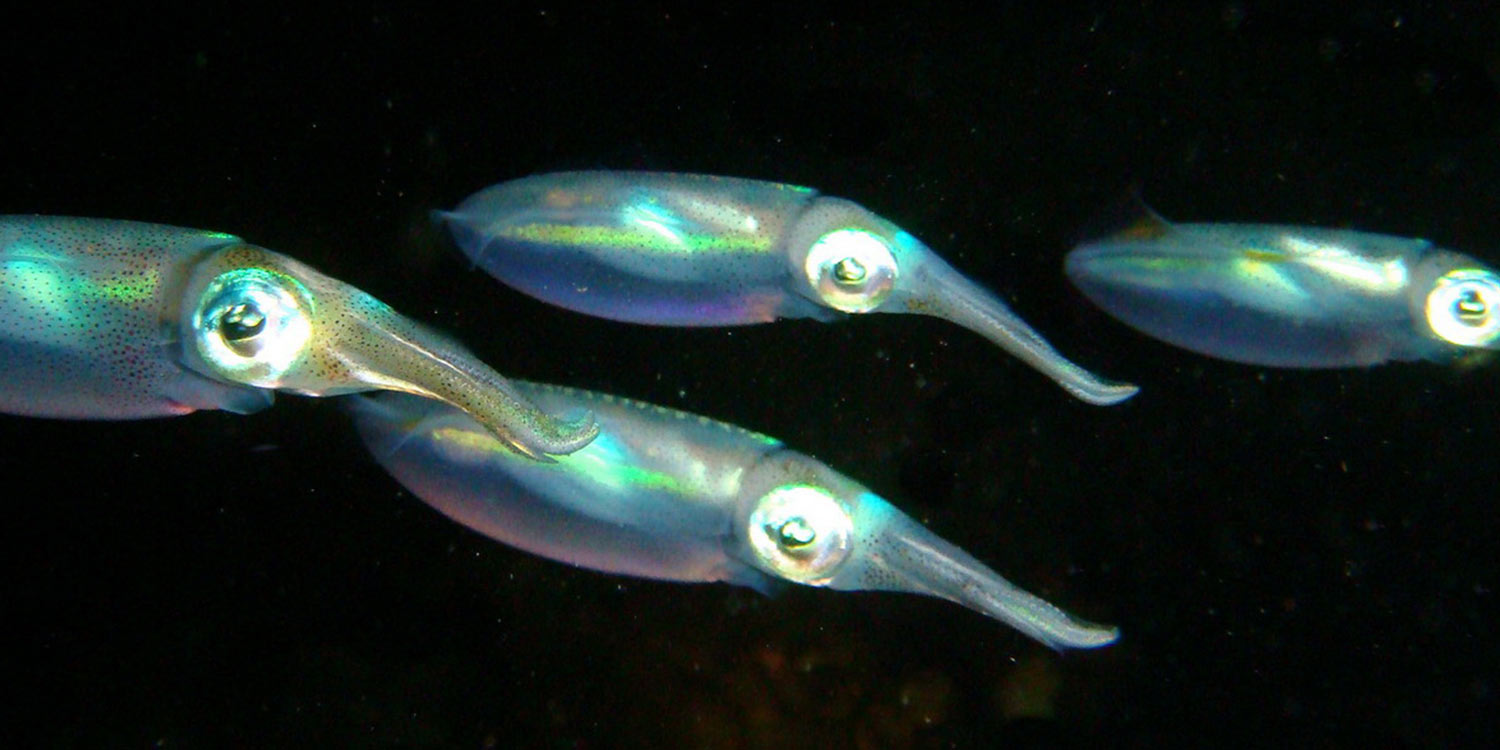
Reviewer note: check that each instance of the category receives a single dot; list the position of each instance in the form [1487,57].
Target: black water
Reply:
[1294,558]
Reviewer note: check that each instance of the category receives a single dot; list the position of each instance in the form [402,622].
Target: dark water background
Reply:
[1294,558]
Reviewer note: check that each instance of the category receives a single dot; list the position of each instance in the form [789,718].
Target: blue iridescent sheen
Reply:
[696,250]
[1290,296]
[668,495]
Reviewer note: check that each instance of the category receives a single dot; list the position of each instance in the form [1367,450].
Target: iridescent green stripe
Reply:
[606,465]
[602,461]
[665,240]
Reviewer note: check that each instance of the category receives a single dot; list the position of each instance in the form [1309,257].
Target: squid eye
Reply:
[1462,307]
[849,272]
[252,325]
[801,533]
[240,326]
[853,270]
[795,534]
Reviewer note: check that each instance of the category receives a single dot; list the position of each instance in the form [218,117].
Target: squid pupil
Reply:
[796,533]
[1470,306]
[849,271]
[241,322]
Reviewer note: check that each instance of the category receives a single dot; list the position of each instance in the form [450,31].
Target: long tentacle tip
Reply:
[1103,393]
[1089,636]
[541,437]
[571,435]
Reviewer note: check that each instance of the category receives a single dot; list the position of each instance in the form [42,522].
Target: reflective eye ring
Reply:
[801,533]
[1463,307]
[853,270]
[252,325]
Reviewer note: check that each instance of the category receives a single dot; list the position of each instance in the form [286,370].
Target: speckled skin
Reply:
[88,320]
[669,495]
[359,343]
[103,319]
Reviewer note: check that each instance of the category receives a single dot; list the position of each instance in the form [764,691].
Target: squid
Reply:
[672,496]
[106,319]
